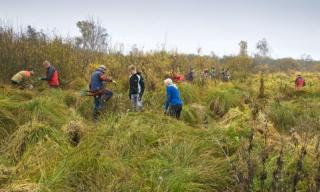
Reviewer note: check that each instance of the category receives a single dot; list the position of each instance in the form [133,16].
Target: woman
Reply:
[173,105]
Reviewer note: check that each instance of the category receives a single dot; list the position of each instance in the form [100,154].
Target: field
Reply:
[256,134]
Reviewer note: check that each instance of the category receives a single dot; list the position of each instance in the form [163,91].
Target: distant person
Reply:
[299,83]
[173,105]
[52,75]
[213,73]
[228,74]
[225,75]
[205,74]
[177,77]
[222,74]
[191,75]
[98,90]
[136,88]
[21,78]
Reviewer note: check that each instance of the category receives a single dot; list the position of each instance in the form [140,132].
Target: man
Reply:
[98,91]
[136,88]
[173,105]
[20,78]
[228,75]
[52,75]
[191,75]
[299,83]
[213,73]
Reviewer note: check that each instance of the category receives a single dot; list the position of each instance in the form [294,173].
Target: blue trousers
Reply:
[99,102]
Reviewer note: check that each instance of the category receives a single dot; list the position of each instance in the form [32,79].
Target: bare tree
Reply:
[93,35]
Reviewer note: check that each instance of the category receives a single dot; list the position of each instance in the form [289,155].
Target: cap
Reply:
[102,67]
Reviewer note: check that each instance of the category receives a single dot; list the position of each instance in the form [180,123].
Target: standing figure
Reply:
[191,75]
[213,73]
[299,83]
[52,75]
[228,75]
[173,105]
[136,88]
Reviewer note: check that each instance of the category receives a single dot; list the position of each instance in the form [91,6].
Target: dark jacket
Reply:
[136,83]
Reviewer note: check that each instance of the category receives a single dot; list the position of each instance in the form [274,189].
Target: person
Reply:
[191,75]
[52,75]
[299,83]
[222,73]
[213,73]
[205,74]
[173,105]
[136,88]
[228,75]
[177,77]
[98,91]
[20,79]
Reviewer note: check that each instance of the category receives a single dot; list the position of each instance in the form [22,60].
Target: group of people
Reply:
[225,75]
[172,107]
[21,78]
[97,89]
[100,93]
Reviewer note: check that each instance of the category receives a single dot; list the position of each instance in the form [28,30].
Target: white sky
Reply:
[291,27]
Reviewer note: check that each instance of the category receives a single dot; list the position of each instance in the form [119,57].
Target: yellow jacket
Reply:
[21,76]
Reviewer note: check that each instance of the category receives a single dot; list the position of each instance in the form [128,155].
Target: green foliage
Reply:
[220,101]
[190,93]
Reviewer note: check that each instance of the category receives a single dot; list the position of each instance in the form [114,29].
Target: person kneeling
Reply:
[21,78]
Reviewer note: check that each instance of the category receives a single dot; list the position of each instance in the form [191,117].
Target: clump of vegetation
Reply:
[220,101]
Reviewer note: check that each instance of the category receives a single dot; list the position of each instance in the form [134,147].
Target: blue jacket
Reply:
[173,96]
[96,82]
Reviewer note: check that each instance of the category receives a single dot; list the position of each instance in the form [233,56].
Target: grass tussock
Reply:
[54,143]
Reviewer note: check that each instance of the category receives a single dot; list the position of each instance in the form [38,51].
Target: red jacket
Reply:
[52,77]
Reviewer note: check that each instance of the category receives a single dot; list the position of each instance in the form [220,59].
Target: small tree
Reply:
[243,48]
[263,47]
[93,36]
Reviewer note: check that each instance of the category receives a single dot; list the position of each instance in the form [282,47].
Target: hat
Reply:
[102,67]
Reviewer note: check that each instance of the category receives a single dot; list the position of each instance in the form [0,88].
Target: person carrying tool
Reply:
[98,91]
[20,79]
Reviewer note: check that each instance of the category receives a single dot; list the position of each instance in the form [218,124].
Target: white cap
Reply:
[102,67]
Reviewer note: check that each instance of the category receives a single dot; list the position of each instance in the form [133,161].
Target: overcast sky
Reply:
[292,27]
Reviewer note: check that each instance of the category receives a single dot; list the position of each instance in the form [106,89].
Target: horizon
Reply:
[215,26]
